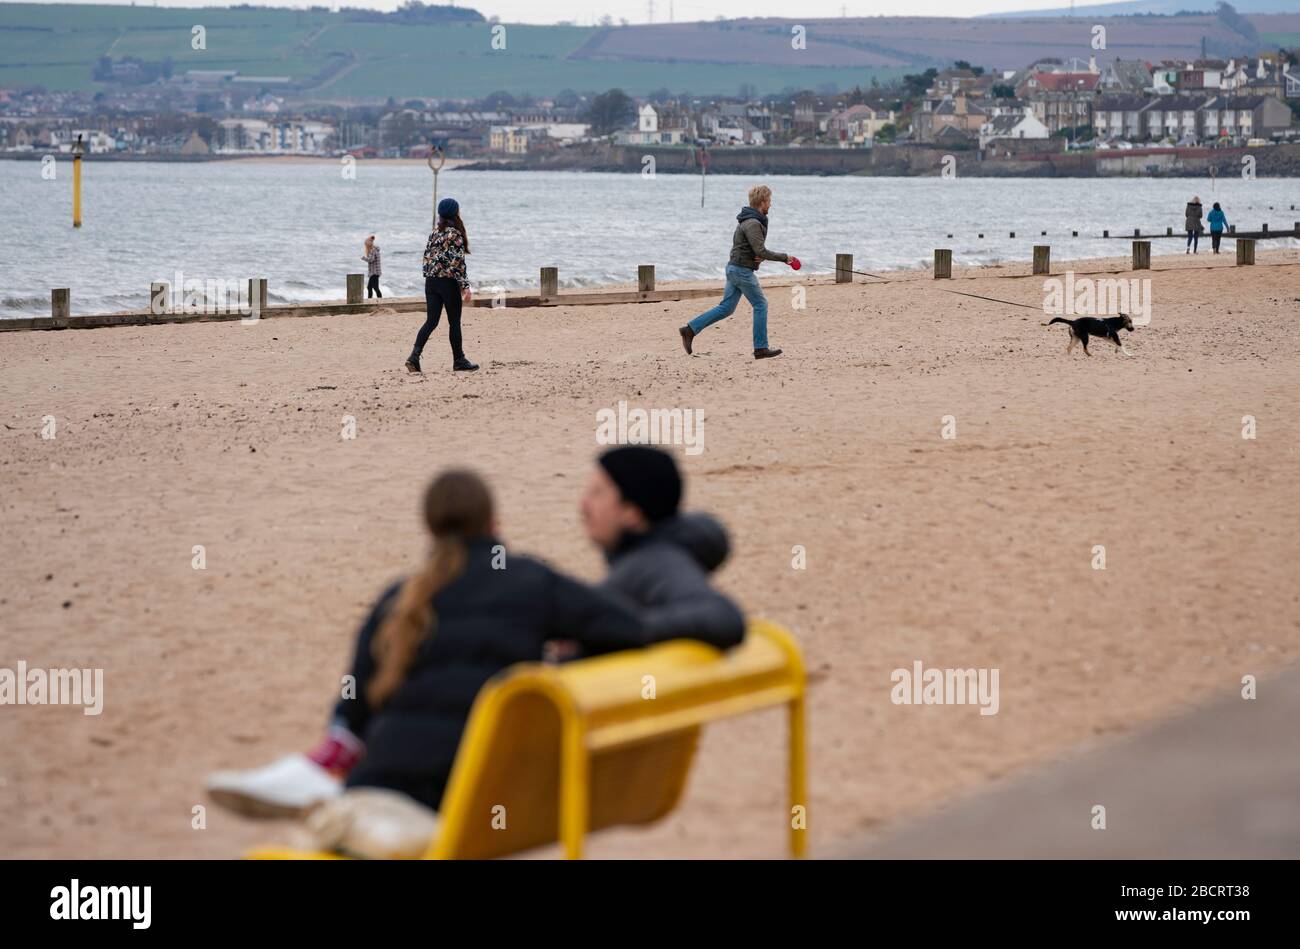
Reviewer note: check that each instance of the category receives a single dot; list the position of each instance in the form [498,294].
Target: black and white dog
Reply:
[1087,326]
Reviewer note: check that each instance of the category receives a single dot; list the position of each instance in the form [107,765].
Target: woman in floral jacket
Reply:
[445,284]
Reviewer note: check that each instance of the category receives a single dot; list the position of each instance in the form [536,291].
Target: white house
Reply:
[648,132]
[93,141]
[1012,126]
[566,133]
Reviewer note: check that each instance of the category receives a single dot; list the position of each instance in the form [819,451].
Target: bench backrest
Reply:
[551,752]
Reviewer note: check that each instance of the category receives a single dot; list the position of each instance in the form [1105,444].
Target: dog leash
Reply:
[863,273]
[990,299]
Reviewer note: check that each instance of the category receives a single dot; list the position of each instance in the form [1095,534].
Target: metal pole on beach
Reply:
[435,151]
[77,150]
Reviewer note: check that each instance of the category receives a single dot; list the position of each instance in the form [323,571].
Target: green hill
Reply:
[335,56]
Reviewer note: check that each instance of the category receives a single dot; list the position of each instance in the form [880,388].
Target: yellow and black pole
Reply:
[77,149]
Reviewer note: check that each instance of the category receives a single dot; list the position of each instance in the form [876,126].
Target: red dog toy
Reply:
[794,263]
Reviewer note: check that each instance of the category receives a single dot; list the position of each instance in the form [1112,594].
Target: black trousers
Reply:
[441,292]
[1215,237]
[372,287]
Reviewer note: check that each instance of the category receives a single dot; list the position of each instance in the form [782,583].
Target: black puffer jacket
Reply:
[487,620]
[665,572]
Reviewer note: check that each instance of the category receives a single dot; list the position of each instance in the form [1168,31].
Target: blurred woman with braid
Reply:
[428,645]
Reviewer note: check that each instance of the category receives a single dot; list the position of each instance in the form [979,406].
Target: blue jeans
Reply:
[740,280]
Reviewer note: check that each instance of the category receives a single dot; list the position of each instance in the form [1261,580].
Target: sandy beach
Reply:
[973,551]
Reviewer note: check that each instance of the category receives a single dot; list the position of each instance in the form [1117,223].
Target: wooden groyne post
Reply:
[645,277]
[1042,258]
[1141,255]
[356,287]
[942,263]
[61,306]
[843,268]
[257,294]
[1245,252]
[550,282]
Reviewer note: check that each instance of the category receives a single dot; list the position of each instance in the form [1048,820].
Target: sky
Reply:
[638,11]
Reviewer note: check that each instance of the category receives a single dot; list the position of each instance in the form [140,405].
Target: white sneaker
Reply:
[283,788]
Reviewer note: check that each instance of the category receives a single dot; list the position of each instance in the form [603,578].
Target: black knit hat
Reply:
[646,477]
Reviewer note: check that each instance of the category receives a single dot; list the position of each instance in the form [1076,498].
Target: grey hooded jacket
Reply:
[748,243]
[665,573]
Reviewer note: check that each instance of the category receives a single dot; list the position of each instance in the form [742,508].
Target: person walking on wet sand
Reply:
[373,268]
[445,285]
[1193,222]
[748,251]
[1218,224]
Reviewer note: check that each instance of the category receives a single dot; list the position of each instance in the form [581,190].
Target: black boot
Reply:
[413,361]
[688,334]
[461,364]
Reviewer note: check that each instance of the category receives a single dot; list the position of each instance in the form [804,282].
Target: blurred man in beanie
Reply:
[659,558]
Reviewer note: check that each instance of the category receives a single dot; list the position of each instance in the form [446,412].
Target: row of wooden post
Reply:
[1043,258]
[61,297]
[550,280]
[1169,231]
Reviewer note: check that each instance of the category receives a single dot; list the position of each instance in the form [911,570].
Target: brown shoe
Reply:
[766,353]
[688,334]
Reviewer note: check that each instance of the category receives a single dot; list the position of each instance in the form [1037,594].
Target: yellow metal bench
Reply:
[552,752]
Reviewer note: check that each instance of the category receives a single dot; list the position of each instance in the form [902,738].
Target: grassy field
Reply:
[57,47]
[329,57]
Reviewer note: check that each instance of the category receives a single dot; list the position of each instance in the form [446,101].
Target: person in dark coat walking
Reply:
[1192,221]
[424,652]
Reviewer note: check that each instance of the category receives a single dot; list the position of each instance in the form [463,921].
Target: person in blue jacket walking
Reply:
[1218,224]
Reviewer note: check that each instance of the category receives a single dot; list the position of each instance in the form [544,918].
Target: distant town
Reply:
[1050,106]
